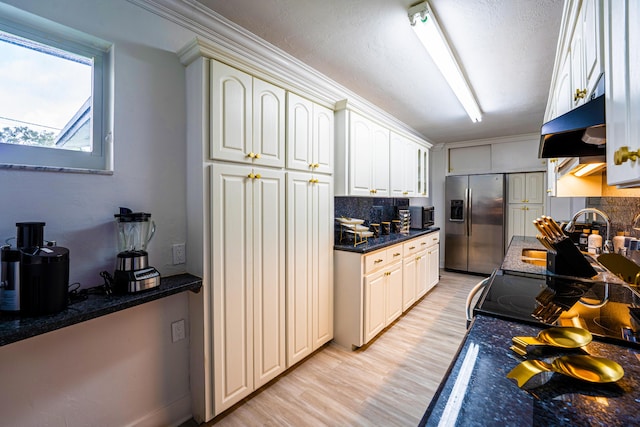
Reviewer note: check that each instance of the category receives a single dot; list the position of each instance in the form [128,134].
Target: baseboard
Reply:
[174,414]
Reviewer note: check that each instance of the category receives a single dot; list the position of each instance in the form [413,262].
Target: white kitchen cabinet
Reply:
[362,159]
[310,135]
[403,166]
[432,256]
[310,264]
[247,280]
[552,176]
[520,219]
[579,62]
[373,289]
[247,122]
[471,159]
[526,187]
[423,171]
[622,93]
[525,202]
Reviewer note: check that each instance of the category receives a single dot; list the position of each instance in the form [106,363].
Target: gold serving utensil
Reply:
[563,337]
[586,368]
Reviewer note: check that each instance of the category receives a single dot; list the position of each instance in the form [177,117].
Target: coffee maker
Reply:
[35,276]
[133,273]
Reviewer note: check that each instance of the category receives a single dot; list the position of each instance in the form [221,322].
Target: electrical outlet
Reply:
[179,255]
[177,331]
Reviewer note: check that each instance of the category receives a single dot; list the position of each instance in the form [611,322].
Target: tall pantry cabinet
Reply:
[258,312]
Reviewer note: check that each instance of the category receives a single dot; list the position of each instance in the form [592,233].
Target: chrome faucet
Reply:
[608,246]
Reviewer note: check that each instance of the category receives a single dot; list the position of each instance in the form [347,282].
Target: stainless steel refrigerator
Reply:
[474,223]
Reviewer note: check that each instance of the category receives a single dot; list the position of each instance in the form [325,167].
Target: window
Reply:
[54,87]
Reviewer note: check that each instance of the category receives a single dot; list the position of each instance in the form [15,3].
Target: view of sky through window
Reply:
[45,95]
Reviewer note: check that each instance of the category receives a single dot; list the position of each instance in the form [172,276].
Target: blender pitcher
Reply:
[135,230]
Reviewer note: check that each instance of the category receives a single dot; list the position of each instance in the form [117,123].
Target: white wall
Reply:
[123,368]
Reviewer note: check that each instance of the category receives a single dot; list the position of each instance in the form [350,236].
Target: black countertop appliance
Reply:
[44,272]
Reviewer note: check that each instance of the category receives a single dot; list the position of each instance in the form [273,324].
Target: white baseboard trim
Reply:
[174,414]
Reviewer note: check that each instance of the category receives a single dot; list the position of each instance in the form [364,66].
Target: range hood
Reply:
[578,133]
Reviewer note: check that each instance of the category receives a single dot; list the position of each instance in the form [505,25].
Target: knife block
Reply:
[568,260]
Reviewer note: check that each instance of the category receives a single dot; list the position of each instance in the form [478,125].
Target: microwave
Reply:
[422,217]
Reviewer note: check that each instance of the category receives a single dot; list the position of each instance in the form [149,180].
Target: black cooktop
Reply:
[611,312]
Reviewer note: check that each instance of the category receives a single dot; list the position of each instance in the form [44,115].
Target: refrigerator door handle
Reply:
[467,201]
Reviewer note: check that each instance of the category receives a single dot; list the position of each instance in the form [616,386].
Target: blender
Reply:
[133,273]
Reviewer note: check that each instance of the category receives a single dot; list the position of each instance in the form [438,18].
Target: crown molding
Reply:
[218,38]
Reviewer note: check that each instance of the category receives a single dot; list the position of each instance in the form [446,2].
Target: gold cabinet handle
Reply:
[423,243]
[434,239]
[396,254]
[251,155]
[378,261]
[623,154]
[258,176]
[405,192]
[316,165]
[258,155]
[311,165]
[580,93]
[314,180]
[418,258]
[548,190]
[251,176]
[374,191]
[412,247]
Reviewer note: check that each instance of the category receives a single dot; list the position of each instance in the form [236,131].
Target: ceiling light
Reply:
[428,31]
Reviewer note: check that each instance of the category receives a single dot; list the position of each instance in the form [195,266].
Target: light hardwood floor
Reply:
[389,382]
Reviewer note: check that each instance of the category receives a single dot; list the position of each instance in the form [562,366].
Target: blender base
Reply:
[136,280]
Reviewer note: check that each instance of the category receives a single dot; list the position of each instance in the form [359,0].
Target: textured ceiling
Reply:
[506,48]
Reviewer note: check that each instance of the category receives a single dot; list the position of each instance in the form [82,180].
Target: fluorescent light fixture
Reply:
[588,169]
[428,31]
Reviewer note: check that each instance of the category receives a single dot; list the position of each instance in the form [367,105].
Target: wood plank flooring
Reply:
[390,382]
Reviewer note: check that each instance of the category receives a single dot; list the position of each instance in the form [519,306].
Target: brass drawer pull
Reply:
[378,261]
[623,154]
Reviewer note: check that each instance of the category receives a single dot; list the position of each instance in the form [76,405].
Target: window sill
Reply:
[55,169]
[15,328]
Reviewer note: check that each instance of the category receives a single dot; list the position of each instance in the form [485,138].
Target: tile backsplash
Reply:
[621,211]
[371,209]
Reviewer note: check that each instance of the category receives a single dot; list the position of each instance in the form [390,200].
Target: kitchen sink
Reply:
[534,256]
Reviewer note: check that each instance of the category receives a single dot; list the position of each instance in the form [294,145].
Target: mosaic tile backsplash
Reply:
[621,211]
[371,209]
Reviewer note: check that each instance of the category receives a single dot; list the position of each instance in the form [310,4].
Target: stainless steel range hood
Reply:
[578,133]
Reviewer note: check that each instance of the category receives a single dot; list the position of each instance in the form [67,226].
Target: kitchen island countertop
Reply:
[490,398]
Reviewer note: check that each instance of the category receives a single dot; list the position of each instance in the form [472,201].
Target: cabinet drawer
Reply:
[433,238]
[414,245]
[375,261]
[394,254]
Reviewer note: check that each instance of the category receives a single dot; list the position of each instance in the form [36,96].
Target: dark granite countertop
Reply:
[490,398]
[15,328]
[376,243]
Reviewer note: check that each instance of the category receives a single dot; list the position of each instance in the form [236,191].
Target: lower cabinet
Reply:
[374,289]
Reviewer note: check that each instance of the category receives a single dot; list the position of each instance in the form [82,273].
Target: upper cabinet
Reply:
[579,62]
[247,118]
[403,166]
[309,135]
[622,91]
[365,146]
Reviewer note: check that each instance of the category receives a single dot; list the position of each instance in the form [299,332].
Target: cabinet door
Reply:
[593,41]
[361,156]
[474,159]
[622,93]
[534,187]
[300,248]
[231,113]
[375,294]
[517,188]
[563,97]
[532,212]
[403,178]
[323,139]
[268,265]
[394,292]
[576,53]
[232,284]
[515,221]
[552,176]
[409,272]
[380,167]
[268,124]
[299,133]
[422,273]
[433,275]
[322,260]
